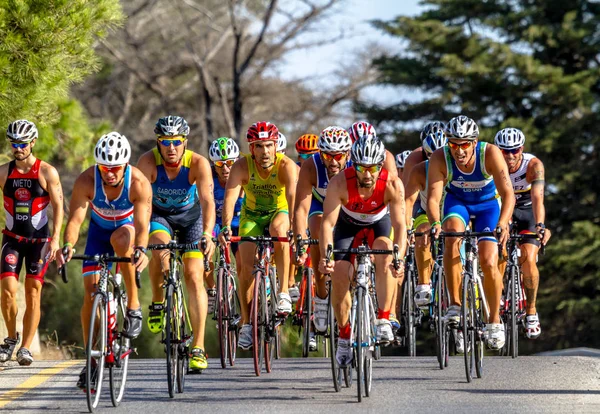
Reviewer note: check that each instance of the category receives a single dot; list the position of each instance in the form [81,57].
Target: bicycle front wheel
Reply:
[183,341]
[441,306]
[121,349]
[478,327]
[307,311]
[358,341]
[170,343]
[258,326]
[513,333]
[332,339]
[222,316]
[408,305]
[234,318]
[96,352]
[467,326]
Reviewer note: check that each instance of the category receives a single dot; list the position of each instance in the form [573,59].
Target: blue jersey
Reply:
[320,191]
[219,195]
[113,214]
[177,195]
[471,188]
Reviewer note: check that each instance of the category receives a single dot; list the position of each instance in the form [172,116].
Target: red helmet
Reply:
[360,129]
[262,131]
[307,144]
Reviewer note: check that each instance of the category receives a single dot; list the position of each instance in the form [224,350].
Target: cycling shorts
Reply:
[254,223]
[316,207]
[419,219]
[14,253]
[98,242]
[485,215]
[347,234]
[524,222]
[188,226]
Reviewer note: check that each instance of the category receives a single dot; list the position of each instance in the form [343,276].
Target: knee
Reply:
[488,264]
[9,295]
[194,281]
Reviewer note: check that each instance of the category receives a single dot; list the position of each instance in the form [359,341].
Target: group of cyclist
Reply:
[344,183]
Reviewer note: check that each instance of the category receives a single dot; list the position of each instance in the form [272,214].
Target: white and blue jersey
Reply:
[471,196]
[113,214]
[320,191]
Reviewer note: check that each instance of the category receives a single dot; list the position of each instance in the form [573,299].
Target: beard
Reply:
[366,183]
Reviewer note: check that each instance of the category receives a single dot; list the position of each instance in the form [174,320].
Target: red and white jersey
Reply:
[365,211]
[26,203]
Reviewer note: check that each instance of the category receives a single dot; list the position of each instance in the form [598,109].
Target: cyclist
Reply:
[369,198]
[527,177]
[306,146]
[223,153]
[29,185]
[418,155]
[269,182]
[476,178]
[400,160]
[315,175]
[182,201]
[119,196]
[416,186]
[360,129]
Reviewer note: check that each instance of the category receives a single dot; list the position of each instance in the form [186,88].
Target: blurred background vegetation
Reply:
[80,69]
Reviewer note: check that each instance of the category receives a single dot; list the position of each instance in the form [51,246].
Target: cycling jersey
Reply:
[264,195]
[320,191]
[520,185]
[423,193]
[219,195]
[26,203]
[368,211]
[111,214]
[474,187]
[177,195]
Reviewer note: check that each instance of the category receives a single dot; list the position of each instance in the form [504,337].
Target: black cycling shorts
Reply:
[348,234]
[13,254]
[524,222]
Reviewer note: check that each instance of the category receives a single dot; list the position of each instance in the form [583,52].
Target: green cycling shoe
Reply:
[198,360]
[156,317]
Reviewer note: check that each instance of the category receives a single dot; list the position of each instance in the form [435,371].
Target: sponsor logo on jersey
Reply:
[11,259]
[22,209]
[22,194]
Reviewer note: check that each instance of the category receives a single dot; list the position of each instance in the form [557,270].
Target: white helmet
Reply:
[281,143]
[223,149]
[462,127]
[509,138]
[21,131]
[434,141]
[368,150]
[432,128]
[334,139]
[112,149]
[401,158]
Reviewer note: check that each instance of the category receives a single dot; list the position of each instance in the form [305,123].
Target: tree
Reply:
[533,65]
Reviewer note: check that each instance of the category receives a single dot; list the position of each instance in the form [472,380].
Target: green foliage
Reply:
[46,46]
[531,65]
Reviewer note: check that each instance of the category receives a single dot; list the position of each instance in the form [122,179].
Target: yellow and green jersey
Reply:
[264,195]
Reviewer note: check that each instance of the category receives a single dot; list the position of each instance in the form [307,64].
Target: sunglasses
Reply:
[19,145]
[168,142]
[329,157]
[463,146]
[221,164]
[109,169]
[513,151]
[370,168]
[304,156]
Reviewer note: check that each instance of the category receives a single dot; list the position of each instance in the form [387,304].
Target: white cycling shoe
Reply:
[384,331]
[532,326]
[494,336]
[423,295]
[284,306]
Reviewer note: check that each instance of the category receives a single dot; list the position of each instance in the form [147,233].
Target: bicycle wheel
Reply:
[170,343]
[478,327]
[467,327]
[332,336]
[441,306]
[258,318]
[306,310]
[513,333]
[183,342]
[121,351]
[271,338]
[222,316]
[370,336]
[409,317]
[234,318]
[95,352]
[358,341]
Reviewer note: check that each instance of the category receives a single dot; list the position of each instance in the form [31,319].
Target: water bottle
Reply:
[112,312]
[268,284]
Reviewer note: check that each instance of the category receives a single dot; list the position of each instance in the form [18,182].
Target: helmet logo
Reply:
[263,134]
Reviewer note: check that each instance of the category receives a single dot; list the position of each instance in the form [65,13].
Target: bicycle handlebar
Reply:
[101,258]
[364,251]
[259,239]
[174,246]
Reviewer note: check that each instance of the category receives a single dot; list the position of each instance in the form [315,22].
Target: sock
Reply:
[345,331]
[381,314]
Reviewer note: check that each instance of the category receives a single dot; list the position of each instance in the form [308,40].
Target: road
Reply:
[527,384]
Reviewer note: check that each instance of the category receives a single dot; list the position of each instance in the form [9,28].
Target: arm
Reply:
[55,192]
[390,164]
[147,166]
[336,195]
[415,183]
[205,185]
[3,175]
[288,176]
[306,181]
[395,198]
[437,175]
[536,176]
[496,166]
[413,159]
[141,197]
[80,200]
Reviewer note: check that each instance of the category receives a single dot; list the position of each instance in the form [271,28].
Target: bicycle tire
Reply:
[258,327]
[121,350]
[332,336]
[170,346]
[408,304]
[234,315]
[513,332]
[478,328]
[467,328]
[222,317]
[371,336]
[306,311]
[95,351]
[271,335]
[440,327]
[183,347]
[358,341]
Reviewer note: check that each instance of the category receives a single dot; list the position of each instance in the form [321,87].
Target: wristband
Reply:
[140,248]
[540,225]
[68,245]
[224,229]
[435,223]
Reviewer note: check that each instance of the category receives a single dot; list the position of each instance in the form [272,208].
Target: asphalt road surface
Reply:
[527,384]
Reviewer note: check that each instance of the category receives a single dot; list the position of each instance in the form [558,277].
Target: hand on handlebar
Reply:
[64,255]
[224,237]
[502,233]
